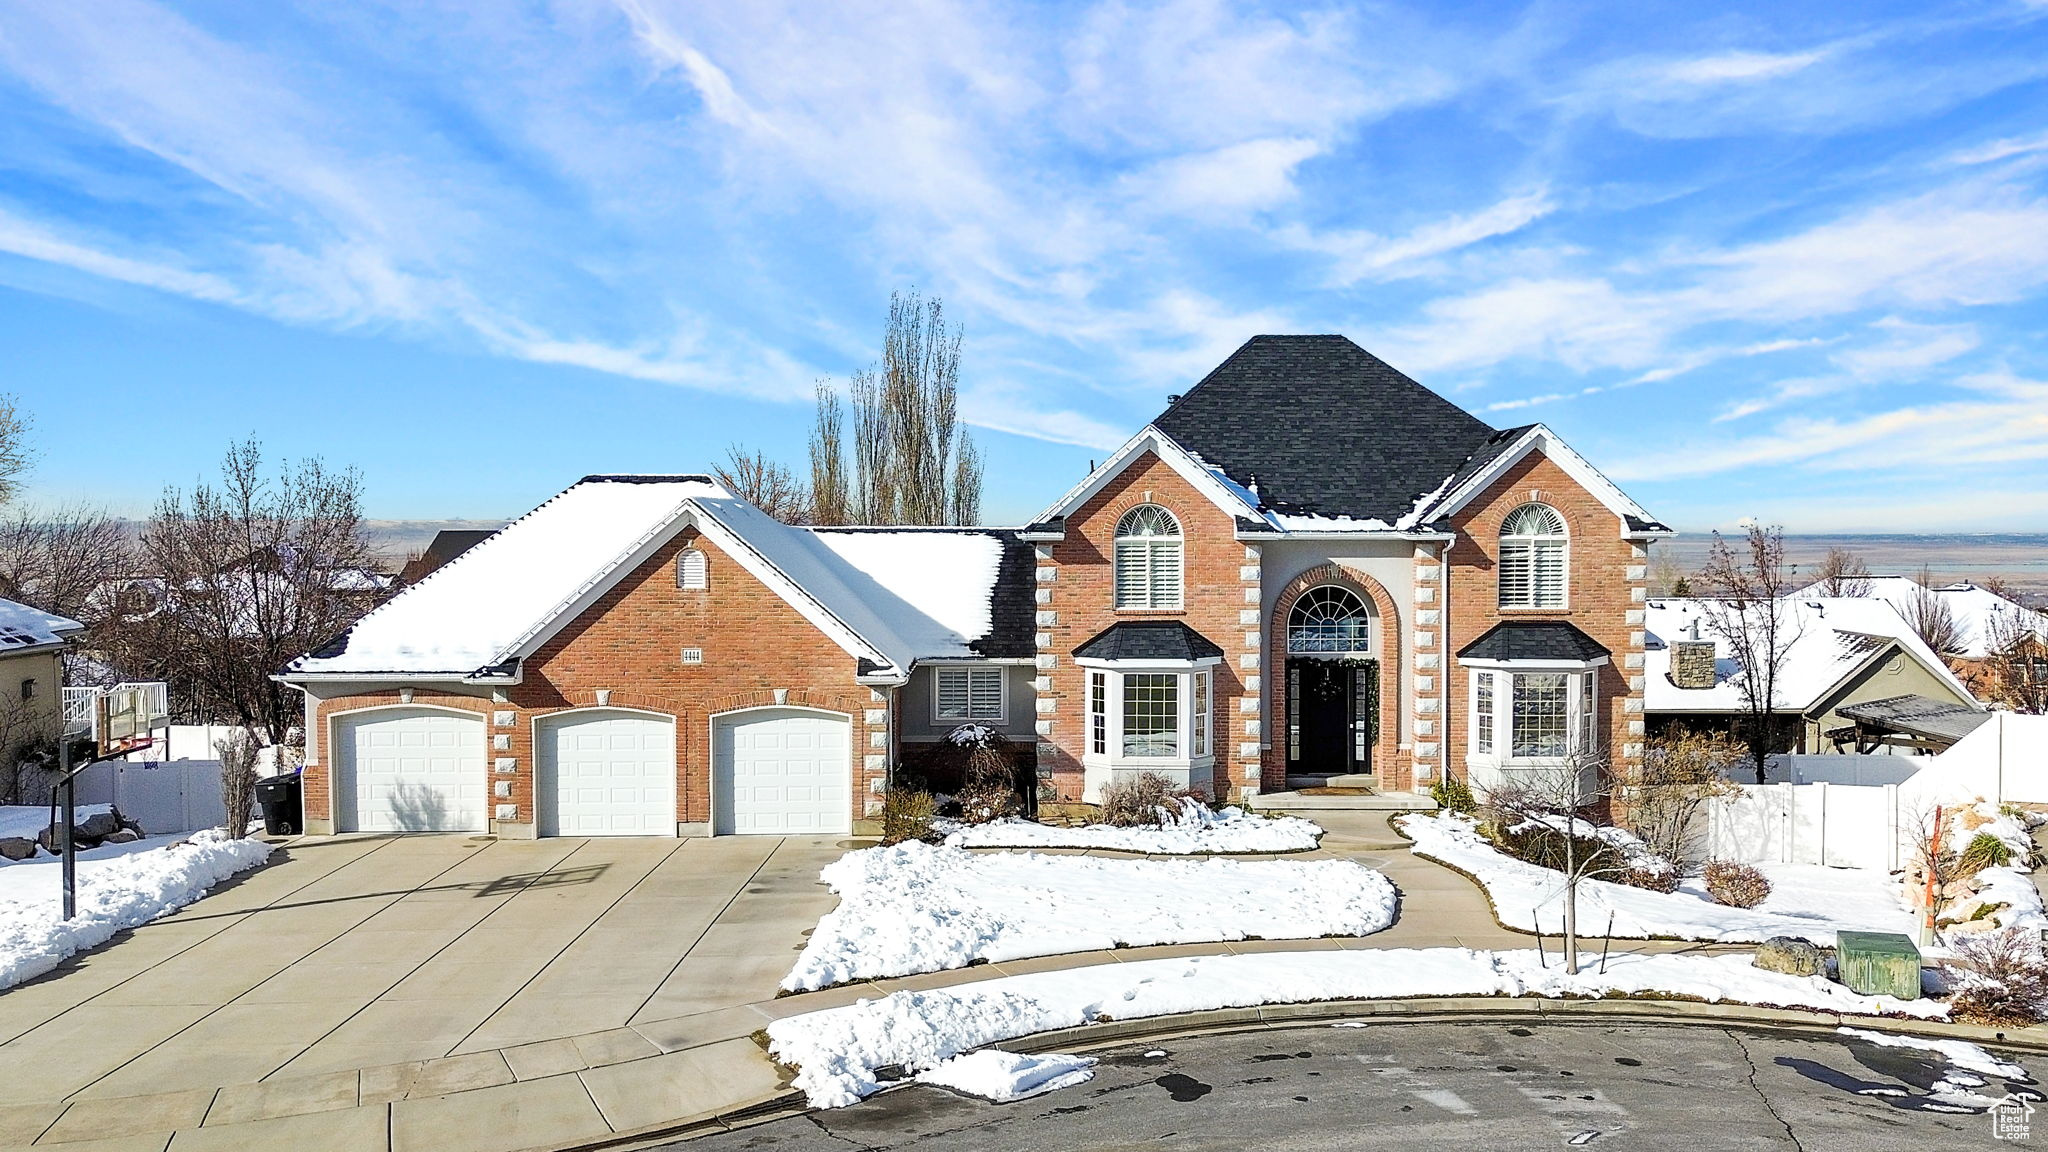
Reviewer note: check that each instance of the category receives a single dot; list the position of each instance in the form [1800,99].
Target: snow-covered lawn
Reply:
[1192,831]
[1806,900]
[918,908]
[28,820]
[119,886]
[837,1050]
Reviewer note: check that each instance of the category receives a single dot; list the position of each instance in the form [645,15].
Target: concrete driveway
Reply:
[354,953]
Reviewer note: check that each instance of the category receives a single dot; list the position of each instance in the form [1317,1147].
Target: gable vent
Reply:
[693,655]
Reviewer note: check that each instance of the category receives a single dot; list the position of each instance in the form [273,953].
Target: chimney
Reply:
[1692,663]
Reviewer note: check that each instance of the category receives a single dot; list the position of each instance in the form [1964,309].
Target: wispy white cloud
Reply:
[2004,149]
[1359,254]
[1734,67]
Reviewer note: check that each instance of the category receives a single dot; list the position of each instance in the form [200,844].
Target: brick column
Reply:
[1431,723]
[1251,732]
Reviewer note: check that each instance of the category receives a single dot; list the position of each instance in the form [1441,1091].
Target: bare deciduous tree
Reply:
[1747,606]
[1842,573]
[1681,773]
[1933,862]
[253,573]
[63,560]
[1932,620]
[1557,797]
[1667,577]
[25,725]
[831,501]
[2015,668]
[237,752]
[912,463]
[769,486]
[14,450]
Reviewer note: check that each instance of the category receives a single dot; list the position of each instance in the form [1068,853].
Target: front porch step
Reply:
[1299,802]
[1353,782]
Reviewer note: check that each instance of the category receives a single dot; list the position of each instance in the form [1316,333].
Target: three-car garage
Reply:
[780,771]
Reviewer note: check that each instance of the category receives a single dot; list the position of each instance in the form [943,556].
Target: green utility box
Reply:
[1878,964]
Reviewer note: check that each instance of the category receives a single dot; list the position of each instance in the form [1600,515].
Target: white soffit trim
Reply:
[1176,457]
[1550,444]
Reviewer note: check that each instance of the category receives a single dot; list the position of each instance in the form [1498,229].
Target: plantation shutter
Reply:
[985,693]
[1133,574]
[1517,575]
[1547,574]
[951,687]
[1165,573]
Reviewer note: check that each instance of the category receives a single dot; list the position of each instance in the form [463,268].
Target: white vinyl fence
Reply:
[171,796]
[1861,813]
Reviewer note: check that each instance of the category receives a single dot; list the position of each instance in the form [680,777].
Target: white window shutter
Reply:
[950,684]
[1132,574]
[985,693]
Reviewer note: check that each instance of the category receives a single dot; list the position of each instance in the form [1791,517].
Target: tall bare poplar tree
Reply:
[912,463]
[1842,573]
[1746,604]
[760,481]
[831,500]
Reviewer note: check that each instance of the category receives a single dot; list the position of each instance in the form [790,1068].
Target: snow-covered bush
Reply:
[1736,885]
[1999,979]
[1144,798]
[1598,850]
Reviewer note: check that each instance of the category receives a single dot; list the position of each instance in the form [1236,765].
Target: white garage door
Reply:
[607,774]
[782,772]
[409,770]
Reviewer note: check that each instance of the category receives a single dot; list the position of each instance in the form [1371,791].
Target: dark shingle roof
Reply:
[1533,640]
[1325,428]
[1148,640]
[1012,607]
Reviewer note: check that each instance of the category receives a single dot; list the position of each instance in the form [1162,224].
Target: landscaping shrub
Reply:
[1134,801]
[975,765]
[1652,879]
[237,752]
[907,814]
[1453,795]
[1985,851]
[1736,885]
[985,800]
[2000,979]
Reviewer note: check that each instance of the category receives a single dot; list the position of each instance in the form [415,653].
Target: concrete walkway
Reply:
[449,993]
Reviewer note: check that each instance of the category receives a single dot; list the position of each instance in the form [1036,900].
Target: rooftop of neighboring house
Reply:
[25,629]
[1829,640]
[447,544]
[891,596]
[1981,615]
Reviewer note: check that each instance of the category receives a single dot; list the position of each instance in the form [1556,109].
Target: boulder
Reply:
[52,840]
[1791,955]
[124,836]
[100,825]
[16,848]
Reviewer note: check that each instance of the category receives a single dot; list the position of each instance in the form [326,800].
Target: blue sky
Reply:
[1785,261]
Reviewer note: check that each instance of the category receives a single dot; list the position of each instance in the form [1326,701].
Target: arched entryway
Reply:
[1331,694]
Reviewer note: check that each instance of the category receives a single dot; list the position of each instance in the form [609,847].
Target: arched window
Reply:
[1148,559]
[1328,619]
[690,570]
[1532,558]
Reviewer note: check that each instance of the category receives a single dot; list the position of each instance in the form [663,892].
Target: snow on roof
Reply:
[1833,637]
[1979,613]
[935,586]
[26,629]
[892,596]
[472,612]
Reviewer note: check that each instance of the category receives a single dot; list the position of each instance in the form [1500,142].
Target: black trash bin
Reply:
[279,796]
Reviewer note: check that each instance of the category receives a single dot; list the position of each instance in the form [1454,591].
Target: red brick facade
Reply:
[629,643]
[1605,601]
[1077,601]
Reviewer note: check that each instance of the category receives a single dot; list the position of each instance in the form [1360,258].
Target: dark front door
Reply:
[1332,716]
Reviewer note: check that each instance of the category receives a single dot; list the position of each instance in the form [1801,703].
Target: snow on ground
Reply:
[1806,899]
[1192,831]
[918,908]
[1959,1053]
[27,820]
[837,1050]
[1006,1076]
[119,886]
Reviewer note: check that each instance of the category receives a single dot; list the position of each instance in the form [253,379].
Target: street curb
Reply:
[1321,1013]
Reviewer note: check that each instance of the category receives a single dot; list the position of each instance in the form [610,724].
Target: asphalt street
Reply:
[1443,1086]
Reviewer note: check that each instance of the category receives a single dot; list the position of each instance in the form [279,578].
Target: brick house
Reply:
[1308,566]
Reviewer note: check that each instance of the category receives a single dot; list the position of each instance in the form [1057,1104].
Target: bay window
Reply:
[1534,716]
[1149,717]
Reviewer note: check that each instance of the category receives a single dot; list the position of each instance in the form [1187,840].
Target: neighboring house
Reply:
[447,545]
[1855,676]
[32,645]
[1984,619]
[1308,567]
